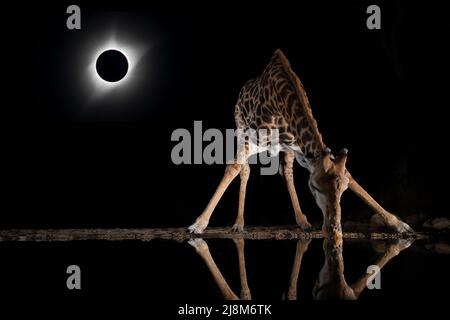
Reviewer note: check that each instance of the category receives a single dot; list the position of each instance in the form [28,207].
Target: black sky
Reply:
[378,93]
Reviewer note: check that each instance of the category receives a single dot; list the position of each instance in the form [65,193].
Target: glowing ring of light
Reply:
[132,53]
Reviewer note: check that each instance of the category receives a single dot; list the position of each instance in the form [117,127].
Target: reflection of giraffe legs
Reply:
[288,173]
[393,250]
[245,173]
[390,219]
[202,221]
[302,247]
[245,291]
[202,249]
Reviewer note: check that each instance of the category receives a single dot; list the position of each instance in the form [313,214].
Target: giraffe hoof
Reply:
[245,294]
[197,228]
[198,244]
[402,227]
[402,244]
[303,244]
[237,227]
[289,295]
[305,226]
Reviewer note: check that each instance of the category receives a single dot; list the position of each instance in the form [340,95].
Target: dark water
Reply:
[165,269]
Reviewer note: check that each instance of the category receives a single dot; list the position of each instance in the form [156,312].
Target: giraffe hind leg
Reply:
[231,171]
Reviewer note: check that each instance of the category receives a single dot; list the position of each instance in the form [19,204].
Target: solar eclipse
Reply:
[112,65]
[111,60]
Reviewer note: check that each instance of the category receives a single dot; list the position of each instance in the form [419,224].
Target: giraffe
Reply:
[277,100]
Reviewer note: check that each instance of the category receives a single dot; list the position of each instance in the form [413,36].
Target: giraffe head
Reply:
[327,182]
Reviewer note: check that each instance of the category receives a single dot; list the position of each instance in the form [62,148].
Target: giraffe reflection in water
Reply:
[330,283]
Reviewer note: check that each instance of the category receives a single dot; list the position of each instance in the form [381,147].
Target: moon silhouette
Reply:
[112,65]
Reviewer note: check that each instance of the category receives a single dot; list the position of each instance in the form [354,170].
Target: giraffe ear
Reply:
[341,160]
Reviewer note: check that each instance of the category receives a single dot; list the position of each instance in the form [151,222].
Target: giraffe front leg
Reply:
[244,175]
[288,173]
[202,221]
[391,220]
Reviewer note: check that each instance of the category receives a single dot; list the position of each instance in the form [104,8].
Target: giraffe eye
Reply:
[315,188]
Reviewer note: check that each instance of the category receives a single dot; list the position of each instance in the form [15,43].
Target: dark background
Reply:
[376,92]
[380,93]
